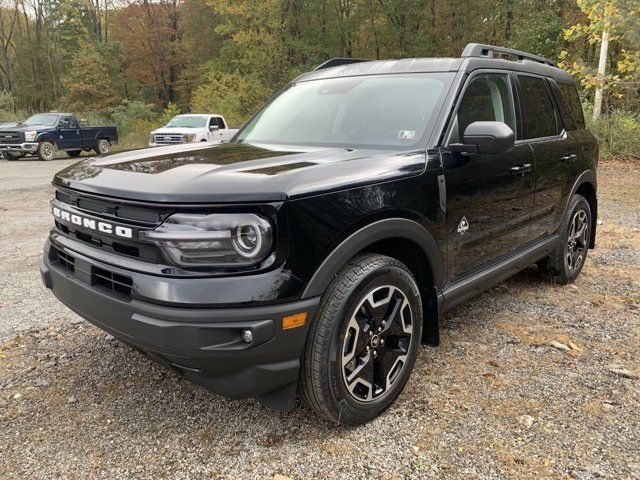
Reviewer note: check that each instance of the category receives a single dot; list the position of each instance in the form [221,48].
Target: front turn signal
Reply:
[293,321]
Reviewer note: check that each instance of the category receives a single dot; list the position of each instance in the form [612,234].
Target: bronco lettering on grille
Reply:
[88,223]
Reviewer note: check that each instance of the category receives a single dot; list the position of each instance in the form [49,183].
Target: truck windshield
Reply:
[46,119]
[377,111]
[187,121]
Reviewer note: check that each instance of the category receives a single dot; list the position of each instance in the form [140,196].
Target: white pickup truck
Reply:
[192,128]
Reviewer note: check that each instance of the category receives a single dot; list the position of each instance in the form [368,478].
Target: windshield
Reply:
[46,119]
[381,111]
[187,121]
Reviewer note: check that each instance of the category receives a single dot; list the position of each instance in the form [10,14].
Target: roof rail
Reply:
[488,51]
[336,62]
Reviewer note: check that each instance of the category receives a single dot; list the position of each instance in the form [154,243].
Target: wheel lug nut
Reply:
[368,348]
[370,333]
[379,329]
[375,354]
[382,342]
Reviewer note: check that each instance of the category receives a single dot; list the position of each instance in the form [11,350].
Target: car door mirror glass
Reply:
[486,138]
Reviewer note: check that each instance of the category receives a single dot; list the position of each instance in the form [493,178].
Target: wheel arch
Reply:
[586,185]
[405,240]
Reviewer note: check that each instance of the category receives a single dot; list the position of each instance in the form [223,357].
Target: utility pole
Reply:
[602,67]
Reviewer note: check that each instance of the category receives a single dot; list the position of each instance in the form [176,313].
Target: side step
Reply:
[475,284]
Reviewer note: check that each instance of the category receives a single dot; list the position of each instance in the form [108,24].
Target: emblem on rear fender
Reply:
[463,226]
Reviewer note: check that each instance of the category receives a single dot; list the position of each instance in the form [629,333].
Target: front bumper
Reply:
[203,344]
[27,147]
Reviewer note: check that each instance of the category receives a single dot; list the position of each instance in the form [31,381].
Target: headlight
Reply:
[217,240]
[190,138]
[30,136]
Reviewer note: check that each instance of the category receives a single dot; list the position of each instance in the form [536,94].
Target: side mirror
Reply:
[485,137]
[213,128]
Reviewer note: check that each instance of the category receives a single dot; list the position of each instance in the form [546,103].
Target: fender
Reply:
[380,230]
[588,176]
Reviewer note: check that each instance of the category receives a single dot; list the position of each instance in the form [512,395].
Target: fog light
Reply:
[247,336]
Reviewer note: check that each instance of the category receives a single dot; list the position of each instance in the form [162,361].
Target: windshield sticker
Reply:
[406,134]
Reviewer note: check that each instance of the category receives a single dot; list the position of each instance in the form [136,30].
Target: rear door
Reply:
[69,134]
[489,196]
[555,151]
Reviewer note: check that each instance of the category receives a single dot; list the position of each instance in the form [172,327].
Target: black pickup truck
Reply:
[320,246]
[45,133]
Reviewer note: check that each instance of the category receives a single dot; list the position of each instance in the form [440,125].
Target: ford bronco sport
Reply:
[319,247]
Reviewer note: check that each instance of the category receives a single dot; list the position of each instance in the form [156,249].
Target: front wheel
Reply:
[568,258]
[12,156]
[103,147]
[46,151]
[363,341]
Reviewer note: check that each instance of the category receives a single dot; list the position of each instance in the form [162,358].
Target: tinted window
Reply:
[571,97]
[377,111]
[486,98]
[538,116]
[220,122]
[565,112]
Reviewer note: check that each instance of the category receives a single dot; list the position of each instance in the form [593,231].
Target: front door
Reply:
[489,196]
[69,135]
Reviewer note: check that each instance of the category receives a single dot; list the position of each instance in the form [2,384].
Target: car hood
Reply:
[25,128]
[234,172]
[177,130]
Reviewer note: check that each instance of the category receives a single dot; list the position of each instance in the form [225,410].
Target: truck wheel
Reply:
[46,151]
[12,156]
[74,153]
[103,147]
[567,260]
[363,341]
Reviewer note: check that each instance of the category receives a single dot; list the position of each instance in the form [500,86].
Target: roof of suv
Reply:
[474,57]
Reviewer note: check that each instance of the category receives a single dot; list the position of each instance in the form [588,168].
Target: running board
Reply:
[475,284]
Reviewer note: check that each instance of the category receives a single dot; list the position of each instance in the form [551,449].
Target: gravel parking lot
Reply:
[532,380]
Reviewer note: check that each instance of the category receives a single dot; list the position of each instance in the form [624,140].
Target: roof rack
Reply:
[488,51]
[336,62]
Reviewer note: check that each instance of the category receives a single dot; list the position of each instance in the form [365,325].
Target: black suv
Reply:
[320,246]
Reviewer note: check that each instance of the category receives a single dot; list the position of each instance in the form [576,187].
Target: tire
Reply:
[46,151]
[74,153]
[103,147]
[12,156]
[569,256]
[343,350]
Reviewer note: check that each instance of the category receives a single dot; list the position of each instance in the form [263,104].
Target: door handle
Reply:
[520,169]
[570,158]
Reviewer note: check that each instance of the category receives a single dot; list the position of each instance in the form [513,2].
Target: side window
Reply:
[538,115]
[570,93]
[565,112]
[221,123]
[65,122]
[486,98]
[213,121]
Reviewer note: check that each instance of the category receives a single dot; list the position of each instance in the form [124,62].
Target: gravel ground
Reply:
[25,192]
[531,381]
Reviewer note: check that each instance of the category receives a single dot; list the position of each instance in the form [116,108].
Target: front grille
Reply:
[116,283]
[67,262]
[168,139]
[109,282]
[11,137]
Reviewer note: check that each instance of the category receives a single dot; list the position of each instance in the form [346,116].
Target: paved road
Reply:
[25,192]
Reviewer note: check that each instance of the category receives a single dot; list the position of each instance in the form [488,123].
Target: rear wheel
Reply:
[567,260]
[103,147]
[74,153]
[46,151]
[363,341]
